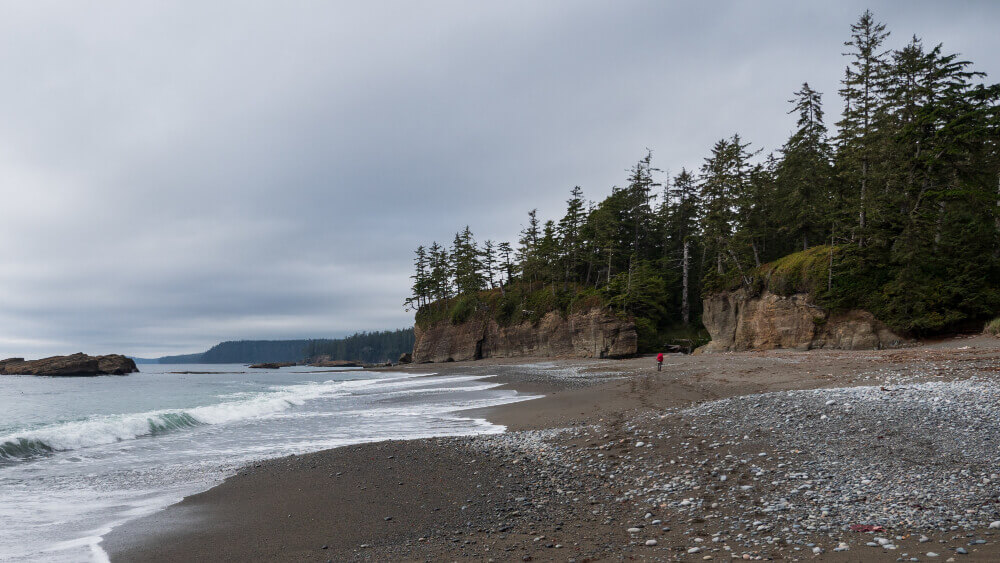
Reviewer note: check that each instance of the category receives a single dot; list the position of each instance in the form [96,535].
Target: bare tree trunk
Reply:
[996,249]
[829,269]
[864,190]
[756,255]
[746,280]
[685,305]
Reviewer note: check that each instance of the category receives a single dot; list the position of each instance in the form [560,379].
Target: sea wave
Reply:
[108,429]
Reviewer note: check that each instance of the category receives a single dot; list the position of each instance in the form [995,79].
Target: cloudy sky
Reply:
[173,174]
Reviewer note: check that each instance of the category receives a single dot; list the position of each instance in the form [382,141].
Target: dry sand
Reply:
[568,480]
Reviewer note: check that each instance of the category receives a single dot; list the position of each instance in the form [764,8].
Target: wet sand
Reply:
[537,494]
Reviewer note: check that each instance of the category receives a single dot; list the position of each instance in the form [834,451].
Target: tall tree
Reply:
[805,174]
[569,231]
[421,280]
[466,266]
[862,92]
[490,263]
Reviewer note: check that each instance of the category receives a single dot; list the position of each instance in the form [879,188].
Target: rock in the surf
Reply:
[78,364]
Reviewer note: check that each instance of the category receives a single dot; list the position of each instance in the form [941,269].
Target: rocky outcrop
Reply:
[739,321]
[335,364]
[406,358]
[591,334]
[73,365]
[273,365]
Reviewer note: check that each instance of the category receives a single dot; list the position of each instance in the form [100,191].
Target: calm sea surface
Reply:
[80,455]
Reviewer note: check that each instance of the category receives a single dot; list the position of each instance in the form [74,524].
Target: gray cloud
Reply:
[175,174]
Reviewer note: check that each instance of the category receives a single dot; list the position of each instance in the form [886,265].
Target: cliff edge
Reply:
[738,320]
[591,334]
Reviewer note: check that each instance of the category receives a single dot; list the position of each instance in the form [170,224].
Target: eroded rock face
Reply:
[592,334]
[73,365]
[739,321]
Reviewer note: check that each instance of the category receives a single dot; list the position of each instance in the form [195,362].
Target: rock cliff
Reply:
[738,321]
[591,334]
[72,365]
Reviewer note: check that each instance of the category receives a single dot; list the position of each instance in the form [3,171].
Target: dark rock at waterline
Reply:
[406,358]
[273,365]
[336,364]
[78,364]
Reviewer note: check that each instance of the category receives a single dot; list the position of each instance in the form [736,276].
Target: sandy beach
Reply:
[747,456]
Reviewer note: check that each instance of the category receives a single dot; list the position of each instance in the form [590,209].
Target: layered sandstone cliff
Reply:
[738,320]
[591,334]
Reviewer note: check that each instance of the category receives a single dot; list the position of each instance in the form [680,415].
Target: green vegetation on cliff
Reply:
[896,212]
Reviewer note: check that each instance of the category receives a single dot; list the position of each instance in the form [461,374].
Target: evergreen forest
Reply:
[894,208]
[366,347]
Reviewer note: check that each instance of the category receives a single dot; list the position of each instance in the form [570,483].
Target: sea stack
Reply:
[74,365]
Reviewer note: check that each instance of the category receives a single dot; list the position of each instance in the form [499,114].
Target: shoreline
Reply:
[542,493]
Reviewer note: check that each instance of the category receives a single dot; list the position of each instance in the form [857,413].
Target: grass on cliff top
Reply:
[519,303]
[806,271]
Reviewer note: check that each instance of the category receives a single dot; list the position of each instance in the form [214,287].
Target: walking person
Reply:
[659,361]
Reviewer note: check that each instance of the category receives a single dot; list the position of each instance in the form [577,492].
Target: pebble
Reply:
[995,525]
[694,550]
[961,551]
[650,542]
[932,554]
[634,530]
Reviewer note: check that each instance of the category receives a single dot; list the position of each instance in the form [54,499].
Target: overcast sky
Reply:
[174,174]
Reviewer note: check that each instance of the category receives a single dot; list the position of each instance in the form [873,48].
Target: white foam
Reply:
[108,429]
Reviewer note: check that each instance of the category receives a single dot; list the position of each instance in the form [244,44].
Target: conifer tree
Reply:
[490,263]
[528,248]
[862,92]
[466,266]
[569,231]
[805,175]
[421,280]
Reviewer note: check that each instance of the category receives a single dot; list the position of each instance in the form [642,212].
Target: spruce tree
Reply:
[862,92]
[805,175]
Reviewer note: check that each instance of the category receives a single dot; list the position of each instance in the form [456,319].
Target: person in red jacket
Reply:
[659,361]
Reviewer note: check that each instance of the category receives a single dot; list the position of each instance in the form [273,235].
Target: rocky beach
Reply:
[780,455]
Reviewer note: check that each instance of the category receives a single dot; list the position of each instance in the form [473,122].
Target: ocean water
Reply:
[81,455]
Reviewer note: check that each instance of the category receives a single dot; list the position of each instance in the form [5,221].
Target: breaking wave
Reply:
[108,429]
